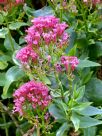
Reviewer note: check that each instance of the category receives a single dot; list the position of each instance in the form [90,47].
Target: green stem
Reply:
[70,85]
[60,85]
[51,4]
[4,119]
[11,41]
[61,10]
[43,126]
[38,131]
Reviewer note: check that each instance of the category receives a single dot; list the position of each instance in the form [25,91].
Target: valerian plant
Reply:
[55,93]
[54,86]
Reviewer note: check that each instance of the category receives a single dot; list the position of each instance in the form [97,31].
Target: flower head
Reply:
[19,1]
[47,29]
[58,67]
[3,1]
[69,60]
[32,93]
[94,2]
[25,54]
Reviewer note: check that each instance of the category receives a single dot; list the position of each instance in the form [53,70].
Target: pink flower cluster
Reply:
[94,2]
[33,93]
[47,29]
[72,61]
[19,1]
[25,54]
[3,1]
[67,61]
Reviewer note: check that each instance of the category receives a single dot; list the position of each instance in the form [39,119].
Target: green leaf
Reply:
[87,77]
[3,32]
[14,58]
[3,65]
[21,40]
[13,74]
[79,93]
[10,43]
[81,106]
[5,93]
[35,133]
[17,25]
[4,57]
[7,125]
[87,63]
[94,91]
[86,121]
[46,80]
[29,11]
[64,80]
[1,19]
[45,11]
[72,51]
[97,49]
[82,42]
[91,131]
[90,111]
[2,79]
[57,113]
[50,134]
[61,131]
[76,121]
[72,34]
[62,106]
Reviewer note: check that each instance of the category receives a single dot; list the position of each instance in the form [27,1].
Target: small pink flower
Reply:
[47,115]
[25,54]
[49,58]
[85,0]
[58,67]
[71,61]
[47,38]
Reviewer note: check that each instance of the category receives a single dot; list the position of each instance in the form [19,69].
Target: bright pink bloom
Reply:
[58,67]
[45,22]
[47,115]
[63,40]
[47,29]
[71,61]
[19,1]
[25,54]
[49,59]
[3,1]
[94,2]
[47,38]
[85,0]
[33,36]
[32,93]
